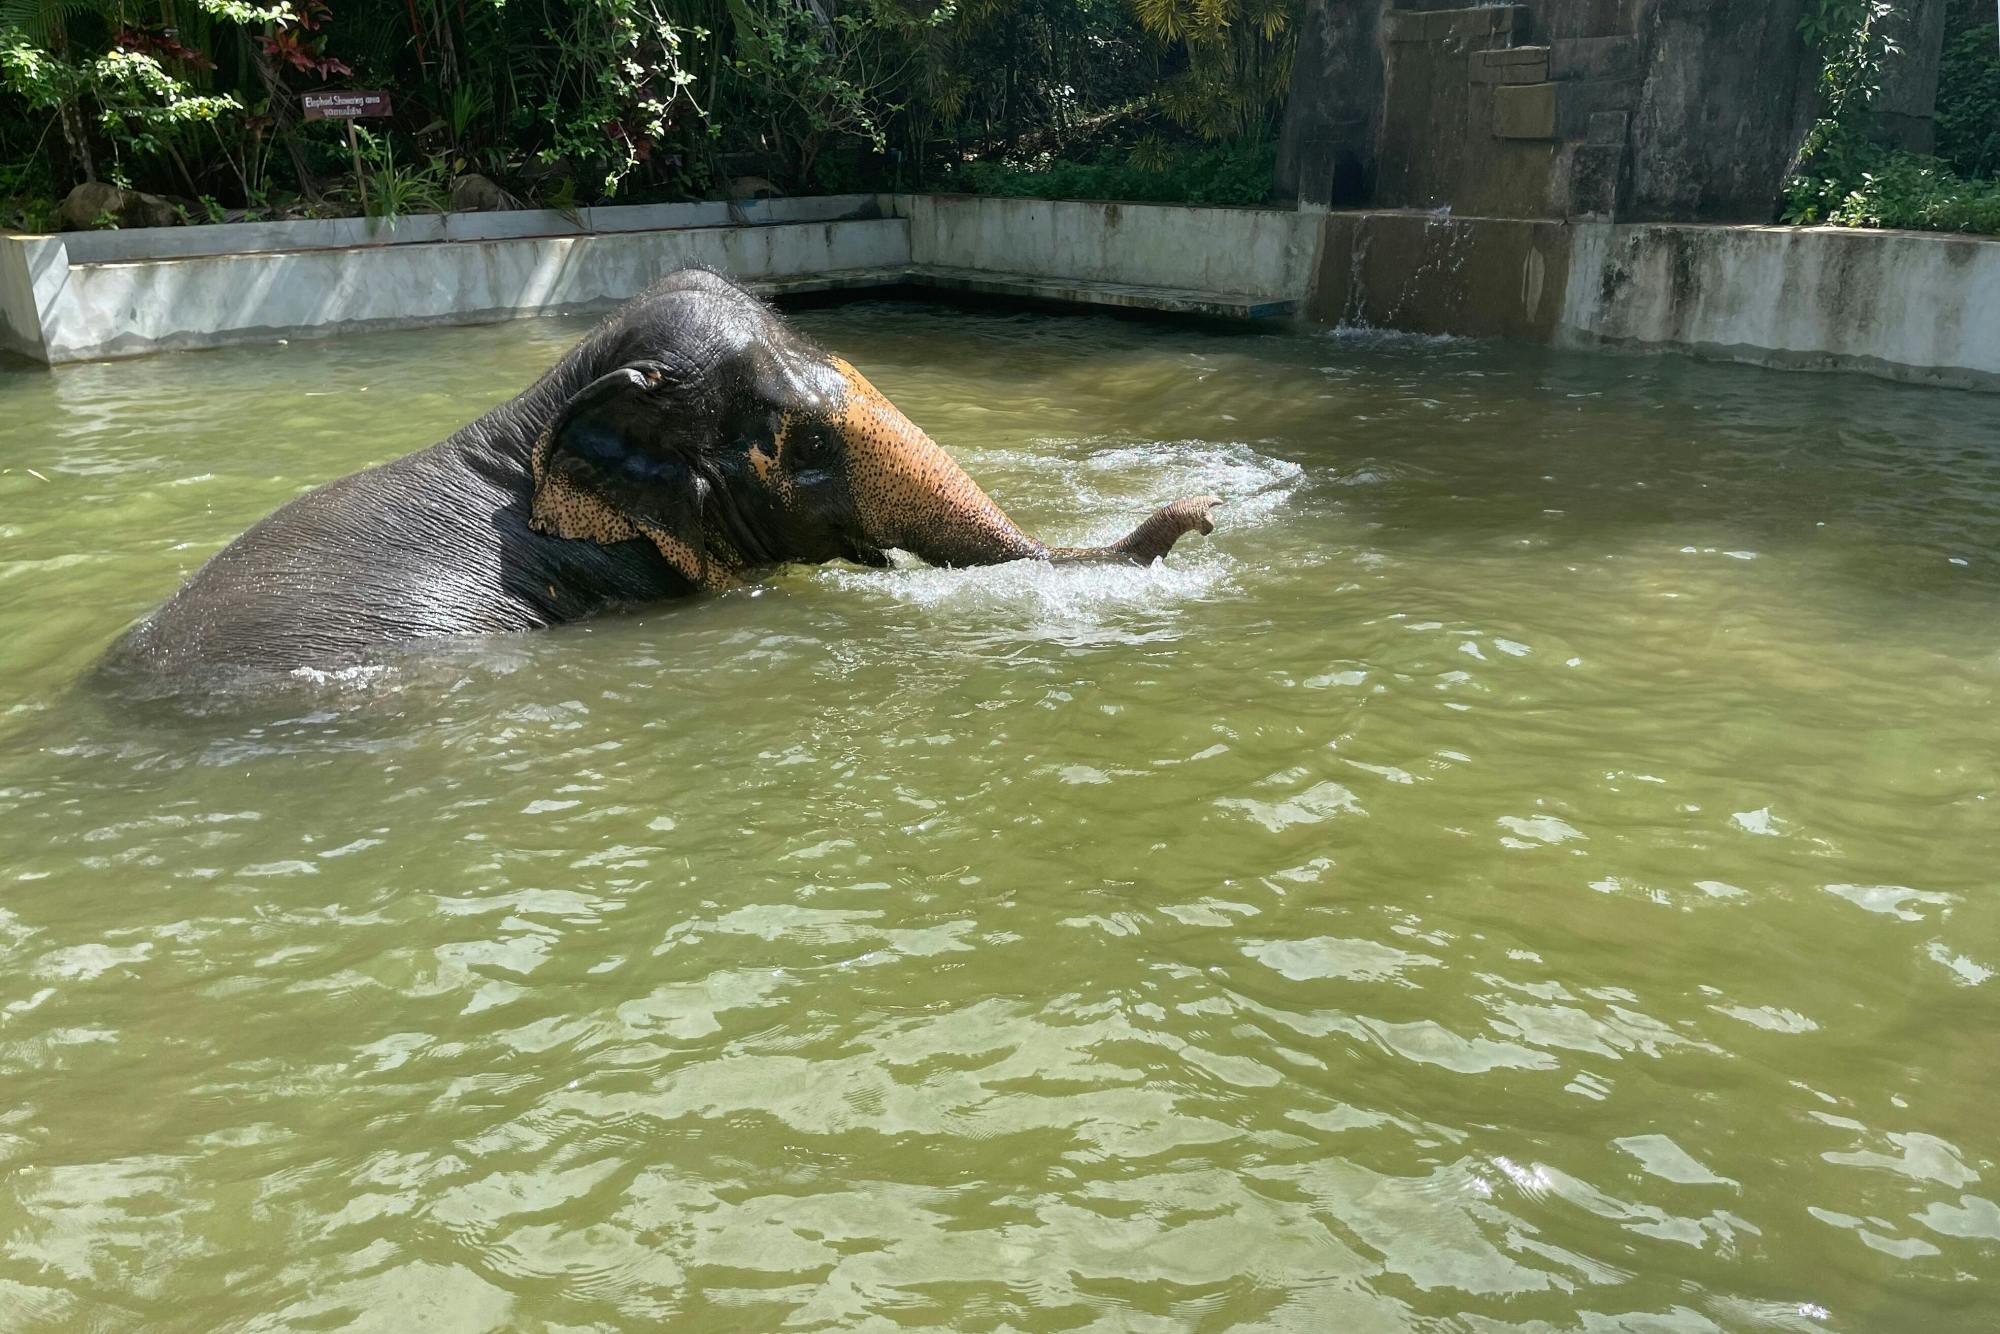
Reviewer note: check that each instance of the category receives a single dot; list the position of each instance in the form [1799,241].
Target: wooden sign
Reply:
[343,105]
[347,106]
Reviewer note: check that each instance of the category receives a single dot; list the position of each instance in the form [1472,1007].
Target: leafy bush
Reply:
[398,189]
[1968,105]
[633,100]
[1848,179]
[1189,175]
[1237,58]
[1866,187]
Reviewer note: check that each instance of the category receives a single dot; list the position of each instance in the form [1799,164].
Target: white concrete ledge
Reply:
[1908,306]
[132,307]
[1922,307]
[95,295]
[1915,306]
[1261,251]
[240,238]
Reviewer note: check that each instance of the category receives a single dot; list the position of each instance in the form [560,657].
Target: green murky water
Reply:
[1533,868]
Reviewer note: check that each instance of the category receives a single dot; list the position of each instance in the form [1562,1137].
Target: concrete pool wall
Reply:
[1913,306]
[1916,306]
[1909,306]
[93,295]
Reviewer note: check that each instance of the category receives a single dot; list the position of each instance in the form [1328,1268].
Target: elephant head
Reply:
[728,440]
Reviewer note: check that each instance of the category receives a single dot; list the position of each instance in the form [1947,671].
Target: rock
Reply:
[81,209]
[473,193]
[151,211]
[83,206]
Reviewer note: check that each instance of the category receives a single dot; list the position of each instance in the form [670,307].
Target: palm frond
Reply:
[41,20]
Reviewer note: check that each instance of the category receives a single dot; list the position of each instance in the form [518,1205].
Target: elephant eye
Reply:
[809,445]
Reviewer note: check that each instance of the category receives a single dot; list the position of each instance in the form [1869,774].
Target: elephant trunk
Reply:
[912,495]
[1156,536]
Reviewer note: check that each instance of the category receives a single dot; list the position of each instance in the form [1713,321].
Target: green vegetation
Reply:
[1863,186]
[1849,179]
[1968,107]
[595,101]
[1225,174]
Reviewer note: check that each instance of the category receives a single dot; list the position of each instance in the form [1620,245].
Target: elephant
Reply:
[691,439]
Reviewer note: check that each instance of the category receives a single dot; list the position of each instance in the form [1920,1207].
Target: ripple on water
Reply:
[1436,900]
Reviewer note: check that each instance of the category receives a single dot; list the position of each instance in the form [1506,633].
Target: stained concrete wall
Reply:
[111,309]
[1426,273]
[1260,252]
[237,238]
[93,295]
[1912,306]
[20,311]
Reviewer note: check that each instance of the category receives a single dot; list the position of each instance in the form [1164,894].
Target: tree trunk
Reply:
[76,136]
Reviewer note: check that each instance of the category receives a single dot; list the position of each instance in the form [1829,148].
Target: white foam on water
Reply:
[350,677]
[1111,489]
[1370,338]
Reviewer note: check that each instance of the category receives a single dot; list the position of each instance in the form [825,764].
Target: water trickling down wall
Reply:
[1502,154]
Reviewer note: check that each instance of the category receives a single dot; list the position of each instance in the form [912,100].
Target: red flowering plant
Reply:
[291,40]
[161,44]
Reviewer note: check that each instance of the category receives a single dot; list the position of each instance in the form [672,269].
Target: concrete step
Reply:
[1034,287]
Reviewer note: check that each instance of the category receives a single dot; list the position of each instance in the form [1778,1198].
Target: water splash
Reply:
[1109,489]
[1371,338]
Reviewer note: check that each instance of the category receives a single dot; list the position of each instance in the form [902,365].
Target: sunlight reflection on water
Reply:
[1461,892]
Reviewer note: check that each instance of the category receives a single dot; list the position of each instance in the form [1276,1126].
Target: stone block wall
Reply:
[1327,150]
[1727,94]
[1474,277]
[1639,109]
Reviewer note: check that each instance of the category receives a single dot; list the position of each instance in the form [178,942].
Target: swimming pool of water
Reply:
[1535,863]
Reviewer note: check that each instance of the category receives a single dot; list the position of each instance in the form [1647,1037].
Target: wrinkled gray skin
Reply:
[693,437]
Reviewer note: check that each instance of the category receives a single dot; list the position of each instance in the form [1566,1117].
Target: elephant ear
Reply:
[609,469]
